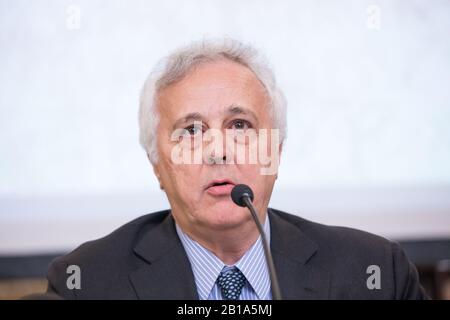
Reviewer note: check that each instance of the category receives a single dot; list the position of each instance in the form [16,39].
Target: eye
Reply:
[240,124]
[193,130]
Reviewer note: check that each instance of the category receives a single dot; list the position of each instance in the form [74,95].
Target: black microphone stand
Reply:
[276,293]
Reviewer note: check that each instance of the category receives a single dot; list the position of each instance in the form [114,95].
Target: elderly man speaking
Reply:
[212,117]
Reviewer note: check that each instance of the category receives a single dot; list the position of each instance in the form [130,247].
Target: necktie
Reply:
[231,283]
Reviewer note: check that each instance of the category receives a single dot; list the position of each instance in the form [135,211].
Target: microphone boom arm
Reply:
[276,293]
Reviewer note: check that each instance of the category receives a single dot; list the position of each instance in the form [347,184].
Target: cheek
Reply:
[183,181]
[259,183]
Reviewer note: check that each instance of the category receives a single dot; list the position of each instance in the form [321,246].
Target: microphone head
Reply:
[239,192]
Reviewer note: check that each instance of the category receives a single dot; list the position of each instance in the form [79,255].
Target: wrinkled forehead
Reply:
[213,89]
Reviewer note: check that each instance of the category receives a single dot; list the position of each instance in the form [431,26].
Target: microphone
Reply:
[243,196]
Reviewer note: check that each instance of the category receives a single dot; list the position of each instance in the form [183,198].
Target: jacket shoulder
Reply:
[351,255]
[335,236]
[102,260]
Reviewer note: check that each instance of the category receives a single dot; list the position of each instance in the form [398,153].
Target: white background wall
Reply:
[367,84]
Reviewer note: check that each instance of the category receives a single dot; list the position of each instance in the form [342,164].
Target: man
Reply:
[205,116]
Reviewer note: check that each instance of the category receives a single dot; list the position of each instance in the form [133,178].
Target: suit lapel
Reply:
[299,275]
[165,272]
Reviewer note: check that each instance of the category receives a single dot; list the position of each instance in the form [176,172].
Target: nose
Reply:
[216,149]
[217,160]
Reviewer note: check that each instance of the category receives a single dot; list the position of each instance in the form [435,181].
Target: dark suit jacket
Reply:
[145,259]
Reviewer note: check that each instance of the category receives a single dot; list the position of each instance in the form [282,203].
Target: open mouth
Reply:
[220,187]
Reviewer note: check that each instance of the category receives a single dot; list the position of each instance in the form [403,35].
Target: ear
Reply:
[280,149]
[158,176]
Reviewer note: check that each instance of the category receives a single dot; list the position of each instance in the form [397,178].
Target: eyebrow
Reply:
[232,110]
[193,116]
[237,110]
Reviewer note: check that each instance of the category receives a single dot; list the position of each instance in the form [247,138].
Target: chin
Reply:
[226,214]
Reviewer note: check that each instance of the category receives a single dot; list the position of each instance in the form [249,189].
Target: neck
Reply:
[228,245]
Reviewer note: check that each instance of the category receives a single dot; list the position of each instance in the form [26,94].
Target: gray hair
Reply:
[175,66]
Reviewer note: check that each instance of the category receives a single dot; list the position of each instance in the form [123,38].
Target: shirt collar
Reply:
[207,267]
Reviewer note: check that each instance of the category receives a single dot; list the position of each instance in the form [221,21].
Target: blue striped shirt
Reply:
[207,267]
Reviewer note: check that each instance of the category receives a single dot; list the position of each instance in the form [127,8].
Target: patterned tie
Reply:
[231,283]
